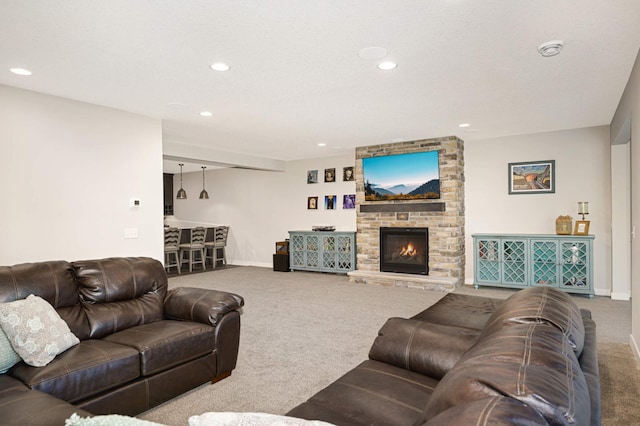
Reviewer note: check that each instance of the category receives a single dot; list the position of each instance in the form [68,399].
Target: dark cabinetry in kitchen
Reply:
[167,179]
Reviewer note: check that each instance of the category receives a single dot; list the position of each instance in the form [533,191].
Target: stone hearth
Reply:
[444,218]
[392,279]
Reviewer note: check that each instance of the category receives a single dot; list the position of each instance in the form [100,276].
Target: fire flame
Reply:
[408,251]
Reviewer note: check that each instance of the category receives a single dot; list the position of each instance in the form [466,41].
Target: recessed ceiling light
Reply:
[206,113]
[373,53]
[464,125]
[20,71]
[220,66]
[551,48]
[322,144]
[387,65]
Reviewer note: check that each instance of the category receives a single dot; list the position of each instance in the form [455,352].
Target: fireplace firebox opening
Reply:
[404,250]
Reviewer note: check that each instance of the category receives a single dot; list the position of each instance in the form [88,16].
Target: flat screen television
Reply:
[410,176]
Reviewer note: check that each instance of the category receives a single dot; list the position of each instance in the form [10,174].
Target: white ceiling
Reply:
[296,79]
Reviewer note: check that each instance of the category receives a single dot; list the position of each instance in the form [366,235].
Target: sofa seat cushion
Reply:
[165,344]
[91,367]
[460,310]
[10,384]
[35,408]
[371,393]
[532,363]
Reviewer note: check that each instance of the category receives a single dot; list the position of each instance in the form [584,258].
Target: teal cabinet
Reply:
[322,251]
[508,260]
[501,261]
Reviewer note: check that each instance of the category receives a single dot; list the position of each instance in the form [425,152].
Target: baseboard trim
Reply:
[620,296]
[248,263]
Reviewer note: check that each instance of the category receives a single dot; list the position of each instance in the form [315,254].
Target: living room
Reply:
[70,169]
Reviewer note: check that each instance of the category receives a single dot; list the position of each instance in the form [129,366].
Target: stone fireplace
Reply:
[444,219]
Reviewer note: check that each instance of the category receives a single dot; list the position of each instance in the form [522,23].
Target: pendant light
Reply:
[182,194]
[203,193]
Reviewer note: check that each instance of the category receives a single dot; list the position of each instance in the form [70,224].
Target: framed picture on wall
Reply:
[312,176]
[349,201]
[532,177]
[330,175]
[347,174]
[312,203]
[330,202]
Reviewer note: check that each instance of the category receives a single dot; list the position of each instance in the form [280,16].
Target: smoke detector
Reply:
[551,48]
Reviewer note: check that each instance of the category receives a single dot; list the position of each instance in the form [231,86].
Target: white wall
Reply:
[262,206]
[627,115]
[67,172]
[582,158]
[621,221]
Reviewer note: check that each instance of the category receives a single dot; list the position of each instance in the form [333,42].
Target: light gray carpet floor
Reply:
[302,330]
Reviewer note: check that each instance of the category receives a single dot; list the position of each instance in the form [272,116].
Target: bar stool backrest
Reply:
[221,236]
[198,235]
[171,238]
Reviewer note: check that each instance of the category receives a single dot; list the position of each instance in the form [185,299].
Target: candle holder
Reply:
[582,226]
[583,208]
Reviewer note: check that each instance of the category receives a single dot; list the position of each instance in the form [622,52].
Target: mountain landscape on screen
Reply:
[409,176]
[428,190]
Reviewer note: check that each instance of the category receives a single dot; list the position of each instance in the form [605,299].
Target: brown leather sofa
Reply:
[468,360]
[140,343]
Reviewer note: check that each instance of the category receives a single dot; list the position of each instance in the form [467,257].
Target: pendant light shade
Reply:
[182,194]
[203,194]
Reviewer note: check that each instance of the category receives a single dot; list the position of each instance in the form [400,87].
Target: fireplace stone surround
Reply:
[444,218]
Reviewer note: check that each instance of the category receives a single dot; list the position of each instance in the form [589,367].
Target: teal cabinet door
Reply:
[521,260]
[322,251]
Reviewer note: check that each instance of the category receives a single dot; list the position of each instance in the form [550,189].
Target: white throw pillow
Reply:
[250,419]
[35,330]
[8,357]
[107,420]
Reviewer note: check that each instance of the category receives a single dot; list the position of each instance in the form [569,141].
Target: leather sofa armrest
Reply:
[422,347]
[200,305]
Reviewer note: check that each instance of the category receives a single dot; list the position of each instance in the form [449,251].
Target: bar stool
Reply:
[195,245]
[208,244]
[171,248]
[218,245]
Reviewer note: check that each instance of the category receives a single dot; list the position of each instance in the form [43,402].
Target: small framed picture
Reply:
[347,174]
[349,201]
[532,177]
[330,175]
[330,202]
[312,176]
[312,203]
[581,228]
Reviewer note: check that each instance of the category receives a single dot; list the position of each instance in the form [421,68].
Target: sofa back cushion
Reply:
[494,411]
[54,282]
[540,305]
[430,349]
[118,293]
[532,363]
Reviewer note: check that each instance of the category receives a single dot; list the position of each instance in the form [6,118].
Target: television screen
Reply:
[402,177]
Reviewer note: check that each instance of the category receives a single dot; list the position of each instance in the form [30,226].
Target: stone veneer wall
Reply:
[446,228]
